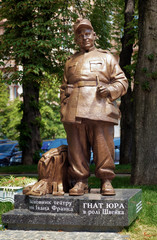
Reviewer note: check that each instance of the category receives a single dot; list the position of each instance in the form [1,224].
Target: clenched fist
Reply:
[103,91]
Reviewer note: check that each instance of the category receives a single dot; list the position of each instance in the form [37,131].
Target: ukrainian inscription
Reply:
[98,207]
[69,206]
[103,208]
[52,206]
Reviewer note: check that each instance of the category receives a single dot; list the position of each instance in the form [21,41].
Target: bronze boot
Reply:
[80,188]
[106,188]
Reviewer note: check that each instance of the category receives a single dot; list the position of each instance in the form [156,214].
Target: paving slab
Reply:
[54,235]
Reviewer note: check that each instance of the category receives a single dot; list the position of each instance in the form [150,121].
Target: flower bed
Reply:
[9,186]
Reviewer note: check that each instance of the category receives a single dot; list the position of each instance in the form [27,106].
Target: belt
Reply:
[85,83]
[90,83]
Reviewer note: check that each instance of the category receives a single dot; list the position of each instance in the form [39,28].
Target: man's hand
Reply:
[103,91]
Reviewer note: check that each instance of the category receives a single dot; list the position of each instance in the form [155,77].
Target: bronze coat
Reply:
[84,72]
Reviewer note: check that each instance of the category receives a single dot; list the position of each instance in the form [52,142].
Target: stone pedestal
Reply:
[91,212]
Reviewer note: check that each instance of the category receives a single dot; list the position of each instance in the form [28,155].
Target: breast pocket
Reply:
[96,66]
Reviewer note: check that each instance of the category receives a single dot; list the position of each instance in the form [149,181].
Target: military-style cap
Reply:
[82,23]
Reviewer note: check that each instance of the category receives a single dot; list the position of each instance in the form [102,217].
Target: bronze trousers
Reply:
[81,138]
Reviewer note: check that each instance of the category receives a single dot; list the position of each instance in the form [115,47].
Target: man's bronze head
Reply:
[82,23]
[84,34]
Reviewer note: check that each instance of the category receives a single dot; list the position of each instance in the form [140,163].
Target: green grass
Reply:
[5,207]
[19,169]
[117,182]
[33,169]
[125,168]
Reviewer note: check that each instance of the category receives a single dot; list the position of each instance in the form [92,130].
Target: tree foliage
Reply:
[38,36]
[33,39]
[10,115]
[51,126]
[100,15]
[4,96]
[11,111]
[118,8]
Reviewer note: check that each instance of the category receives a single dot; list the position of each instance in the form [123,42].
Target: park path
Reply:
[53,235]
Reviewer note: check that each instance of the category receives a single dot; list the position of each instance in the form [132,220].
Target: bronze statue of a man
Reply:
[92,82]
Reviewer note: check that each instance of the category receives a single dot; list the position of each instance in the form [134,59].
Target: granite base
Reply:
[90,212]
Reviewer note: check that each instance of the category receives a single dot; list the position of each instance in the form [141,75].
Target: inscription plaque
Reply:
[52,205]
[103,208]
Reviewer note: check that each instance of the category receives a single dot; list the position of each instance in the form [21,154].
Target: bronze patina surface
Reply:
[52,174]
[93,80]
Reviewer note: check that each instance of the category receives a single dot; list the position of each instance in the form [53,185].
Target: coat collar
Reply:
[91,49]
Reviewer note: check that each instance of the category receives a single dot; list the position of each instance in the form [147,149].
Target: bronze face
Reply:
[85,38]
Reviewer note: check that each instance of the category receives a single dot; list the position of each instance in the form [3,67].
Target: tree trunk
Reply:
[144,169]
[126,101]
[30,125]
